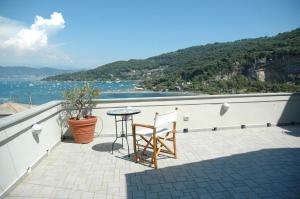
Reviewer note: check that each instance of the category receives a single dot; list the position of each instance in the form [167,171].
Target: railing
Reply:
[21,148]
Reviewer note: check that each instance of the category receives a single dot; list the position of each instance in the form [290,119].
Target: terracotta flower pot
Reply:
[83,130]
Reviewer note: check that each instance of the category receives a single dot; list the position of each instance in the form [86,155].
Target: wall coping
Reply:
[200,97]
[22,116]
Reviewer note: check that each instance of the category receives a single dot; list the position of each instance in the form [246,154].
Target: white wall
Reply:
[20,148]
[204,111]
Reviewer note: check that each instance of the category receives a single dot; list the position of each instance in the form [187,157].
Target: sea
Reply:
[39,92]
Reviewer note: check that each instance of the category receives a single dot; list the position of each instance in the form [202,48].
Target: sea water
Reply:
[40,92]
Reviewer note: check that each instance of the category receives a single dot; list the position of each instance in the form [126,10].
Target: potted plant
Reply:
[79,103]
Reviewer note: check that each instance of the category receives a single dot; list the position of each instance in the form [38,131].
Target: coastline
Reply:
[150,91]
[40,92]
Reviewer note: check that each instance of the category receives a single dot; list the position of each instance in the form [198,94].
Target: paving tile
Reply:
[150,195]
[239,196]
[206,196]
[75,194]
[61,193]
[87,195]
[99,195]
[175,193]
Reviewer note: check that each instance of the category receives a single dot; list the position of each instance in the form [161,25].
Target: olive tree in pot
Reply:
[79,102]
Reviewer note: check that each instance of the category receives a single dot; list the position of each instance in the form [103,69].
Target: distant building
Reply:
[178,88]
[10,108]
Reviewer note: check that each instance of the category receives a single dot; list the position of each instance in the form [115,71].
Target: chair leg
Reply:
[154,151]
[174,140]
[134,144]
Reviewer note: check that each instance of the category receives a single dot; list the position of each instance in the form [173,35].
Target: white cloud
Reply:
[56,22]
[36,36]
[9,27]
[25,45]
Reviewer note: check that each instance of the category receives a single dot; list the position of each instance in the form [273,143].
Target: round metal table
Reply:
[126,115]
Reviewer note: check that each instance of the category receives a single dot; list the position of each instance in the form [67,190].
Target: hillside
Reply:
[23,72]
[266,64]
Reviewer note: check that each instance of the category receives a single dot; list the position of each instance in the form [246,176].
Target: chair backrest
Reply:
[165,118]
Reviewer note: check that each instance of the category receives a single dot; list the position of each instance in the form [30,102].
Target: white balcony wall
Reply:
[205,112]
[20,148]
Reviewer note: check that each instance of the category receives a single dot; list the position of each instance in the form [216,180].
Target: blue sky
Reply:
[92,33]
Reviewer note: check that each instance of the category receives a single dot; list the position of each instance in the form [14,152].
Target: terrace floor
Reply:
[240,163]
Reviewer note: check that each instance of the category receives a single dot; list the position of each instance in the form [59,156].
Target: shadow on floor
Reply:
[291,130]
[68,140]
[268,173]
[106,147]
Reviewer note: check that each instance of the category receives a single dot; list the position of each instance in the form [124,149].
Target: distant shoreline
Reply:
[150,91]
[132,91]
[40,92]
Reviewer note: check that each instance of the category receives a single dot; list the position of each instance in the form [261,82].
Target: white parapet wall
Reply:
[205,112]
[21,149]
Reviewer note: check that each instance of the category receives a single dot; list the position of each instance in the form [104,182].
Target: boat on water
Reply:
[138,88]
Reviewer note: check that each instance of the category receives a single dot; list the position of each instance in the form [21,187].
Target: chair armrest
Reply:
[143,125]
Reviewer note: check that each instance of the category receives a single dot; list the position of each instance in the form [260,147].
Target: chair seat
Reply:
[149,132]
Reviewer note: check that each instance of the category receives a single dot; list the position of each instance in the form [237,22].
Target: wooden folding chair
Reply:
[155,137]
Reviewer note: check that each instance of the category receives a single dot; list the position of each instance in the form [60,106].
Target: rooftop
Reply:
[262,162]
[10,108]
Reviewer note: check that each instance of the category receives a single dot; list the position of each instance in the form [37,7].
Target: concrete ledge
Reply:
[200,97]
[146,102]
[19,117]
[22,116]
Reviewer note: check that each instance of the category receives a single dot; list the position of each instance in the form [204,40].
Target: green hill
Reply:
[266,64]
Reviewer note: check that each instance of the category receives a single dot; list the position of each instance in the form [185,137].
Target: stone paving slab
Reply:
[240,163]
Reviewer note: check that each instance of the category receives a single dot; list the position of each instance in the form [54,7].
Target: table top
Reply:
[123,112]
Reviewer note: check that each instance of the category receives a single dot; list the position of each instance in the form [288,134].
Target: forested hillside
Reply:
[267,64]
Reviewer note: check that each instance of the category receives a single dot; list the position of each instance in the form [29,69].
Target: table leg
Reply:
[127,138]
[122,133]
[112,147]
[132,132]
